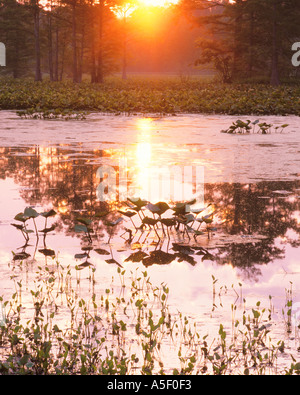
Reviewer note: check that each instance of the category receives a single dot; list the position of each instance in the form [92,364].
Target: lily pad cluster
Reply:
[38,113]
[23,219]
[146,216]
[245,127]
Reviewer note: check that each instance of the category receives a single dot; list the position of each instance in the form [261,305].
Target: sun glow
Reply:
[143,157]
[127,8]
[124,11]
[157,3]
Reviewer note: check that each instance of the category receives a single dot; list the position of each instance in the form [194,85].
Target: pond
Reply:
[251,182]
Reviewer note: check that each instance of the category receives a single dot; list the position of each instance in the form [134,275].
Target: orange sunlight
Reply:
[158,3]
[125,10]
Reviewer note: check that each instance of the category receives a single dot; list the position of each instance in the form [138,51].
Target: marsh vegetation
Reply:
[146,286]
[147,96]
[128,329]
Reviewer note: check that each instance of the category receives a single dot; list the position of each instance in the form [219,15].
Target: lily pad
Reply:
[20,227]
[81,228]
[113,261]
[84,221]
[48,214]
[21,256]
[84,265]
[47,230]
[47,252]
[81,256]
[138,202]
[21,217]
[101,251]
[149,221]
[136,256]
[128,214]
[102,214]
[153,208]
[30,212]
[159,257]
[114,223]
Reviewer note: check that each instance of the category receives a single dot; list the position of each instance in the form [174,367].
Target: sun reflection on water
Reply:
[143,158]
[155,174]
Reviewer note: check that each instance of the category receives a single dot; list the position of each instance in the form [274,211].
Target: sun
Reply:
[127,8]
[157,3]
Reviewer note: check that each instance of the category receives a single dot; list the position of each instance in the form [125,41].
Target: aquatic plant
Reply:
[31,213]
[38,113]
[245,127]
[163,96]
[125,329]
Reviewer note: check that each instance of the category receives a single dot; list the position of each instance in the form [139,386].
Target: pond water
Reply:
[252,181]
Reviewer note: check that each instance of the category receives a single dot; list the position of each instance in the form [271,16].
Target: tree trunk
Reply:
[236,44]
[74,37]
[80,60]
[56,55]
[38,73]
[100,74]
[274,67]
[63,50]
[251,44]
[16,66]
[50,46]
[93,59]
[124,68]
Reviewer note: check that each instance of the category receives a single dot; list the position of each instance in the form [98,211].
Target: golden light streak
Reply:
[158,3]
[126,10]
[143,157]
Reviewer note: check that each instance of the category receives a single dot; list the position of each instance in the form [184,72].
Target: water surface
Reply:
[252,180]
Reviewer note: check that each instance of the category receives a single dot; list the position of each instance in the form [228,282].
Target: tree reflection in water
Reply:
[64,177]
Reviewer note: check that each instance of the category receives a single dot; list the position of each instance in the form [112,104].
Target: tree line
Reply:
[68,37]
[241,39]
[250,38]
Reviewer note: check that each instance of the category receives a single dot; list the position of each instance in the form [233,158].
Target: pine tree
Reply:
[247,37]
[16,34]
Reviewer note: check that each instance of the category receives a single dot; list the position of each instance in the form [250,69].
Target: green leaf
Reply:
[24,359]
[20,217]
[112,261]
[153,208]
[20,227]
[21,256]
[80,256]
[30,212]
[47,252]
[128,214]
[47,230]
[114,223]
[48,214]
[101,214]
[256,314]
[84,221]
[138,202]
[80,228]
[149,221]
[28,231]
